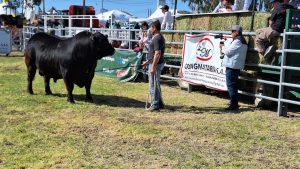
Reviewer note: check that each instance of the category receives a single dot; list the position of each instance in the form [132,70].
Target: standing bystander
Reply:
[234,61]
[155,65]
[167,22]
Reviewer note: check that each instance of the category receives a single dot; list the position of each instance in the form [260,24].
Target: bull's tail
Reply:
[31,67]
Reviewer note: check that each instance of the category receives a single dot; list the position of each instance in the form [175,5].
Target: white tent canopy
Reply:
[115,14]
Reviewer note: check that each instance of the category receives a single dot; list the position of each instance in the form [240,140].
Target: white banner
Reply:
[201,62]
[5,41]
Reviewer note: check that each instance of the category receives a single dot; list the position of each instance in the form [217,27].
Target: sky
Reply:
[138,8]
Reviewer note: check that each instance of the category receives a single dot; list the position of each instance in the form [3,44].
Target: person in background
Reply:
[295,4]
[155,65]
[167,22]
[234,60]
[145,36]
[107,24]
[117,25]
[224,6]
[133,34]
[266,39]
[243,5]
[238,5]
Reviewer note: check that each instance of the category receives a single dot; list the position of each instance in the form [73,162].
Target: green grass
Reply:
[39,131]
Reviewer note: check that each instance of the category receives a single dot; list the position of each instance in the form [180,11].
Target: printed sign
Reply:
[123,65]
[5,41]
[201,62]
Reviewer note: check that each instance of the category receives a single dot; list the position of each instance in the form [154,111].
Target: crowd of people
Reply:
[235,53]
[245,5]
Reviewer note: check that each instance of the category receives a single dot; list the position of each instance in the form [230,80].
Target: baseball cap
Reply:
[237,28]
[166,7]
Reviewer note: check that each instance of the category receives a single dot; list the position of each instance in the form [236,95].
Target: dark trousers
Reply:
[232,76]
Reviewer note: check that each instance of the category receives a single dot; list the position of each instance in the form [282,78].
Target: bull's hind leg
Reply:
[31,70]
[47,85]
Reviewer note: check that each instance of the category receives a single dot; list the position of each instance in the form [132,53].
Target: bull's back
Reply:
[41,53]
[39,43]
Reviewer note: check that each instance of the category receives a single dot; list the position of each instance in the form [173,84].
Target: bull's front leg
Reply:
[88,96]
[47,85]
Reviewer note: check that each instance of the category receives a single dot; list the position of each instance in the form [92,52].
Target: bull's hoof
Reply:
[48,93]
[71,101]
[30,92]
[89,100]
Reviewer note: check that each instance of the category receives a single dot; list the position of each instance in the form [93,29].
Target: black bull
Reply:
[74,59]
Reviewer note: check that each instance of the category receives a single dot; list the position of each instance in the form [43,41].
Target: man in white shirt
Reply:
[167,23]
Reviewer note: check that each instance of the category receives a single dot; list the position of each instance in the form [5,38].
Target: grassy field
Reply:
[42,131]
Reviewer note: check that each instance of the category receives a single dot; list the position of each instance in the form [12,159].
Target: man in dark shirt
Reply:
[267,38]
[155,65]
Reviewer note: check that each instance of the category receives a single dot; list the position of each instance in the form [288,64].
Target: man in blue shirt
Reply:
[234,61]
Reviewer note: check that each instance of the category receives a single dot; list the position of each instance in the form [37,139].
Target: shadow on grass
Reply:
[207,91]
[201,110]
[120,101]
[109,100]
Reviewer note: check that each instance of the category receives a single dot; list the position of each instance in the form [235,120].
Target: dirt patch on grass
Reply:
[10,69]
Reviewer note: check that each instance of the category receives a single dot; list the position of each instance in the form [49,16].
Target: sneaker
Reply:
[232,108]
[269,52]
[152,109]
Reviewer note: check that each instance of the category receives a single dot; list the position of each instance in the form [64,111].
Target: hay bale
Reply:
[252,57]
[201,22]
[168,36]
[183,23]
[260,20]
[168,48]
[223,22]
[179,37]
[245,21]
[179,51]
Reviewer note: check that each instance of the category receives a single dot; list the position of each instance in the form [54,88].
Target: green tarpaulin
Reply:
[123,65]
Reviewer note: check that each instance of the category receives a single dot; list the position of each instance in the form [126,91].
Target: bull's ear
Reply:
[106,36]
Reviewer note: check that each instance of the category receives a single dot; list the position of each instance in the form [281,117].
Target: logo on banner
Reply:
[120,73]
[204,50]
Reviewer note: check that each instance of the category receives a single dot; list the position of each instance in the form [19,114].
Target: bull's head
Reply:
[102,47]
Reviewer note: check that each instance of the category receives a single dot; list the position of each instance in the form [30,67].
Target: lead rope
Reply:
[149,92]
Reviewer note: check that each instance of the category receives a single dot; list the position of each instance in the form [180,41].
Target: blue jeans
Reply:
[232,77]
[154,85]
